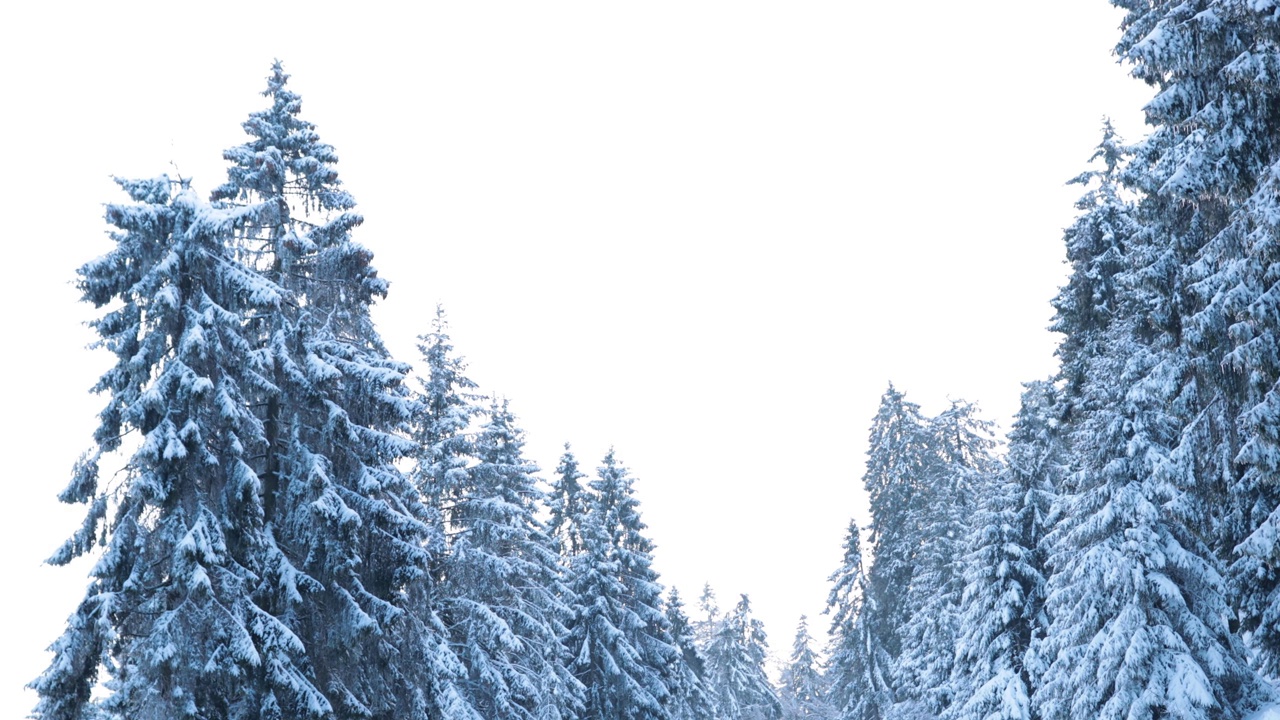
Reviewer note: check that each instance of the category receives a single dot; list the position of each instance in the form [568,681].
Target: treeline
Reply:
[1121,560]
[289,526]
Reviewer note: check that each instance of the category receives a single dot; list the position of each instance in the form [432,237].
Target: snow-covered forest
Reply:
[283,519]
[299,530]
[1117,560]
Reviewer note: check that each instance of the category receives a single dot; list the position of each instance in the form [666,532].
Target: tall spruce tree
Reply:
[335,418]
[619,638]
[173,622]
[1198,284]
[736,667]
[898,464]
[1209,175]
[1001,615]
[1139,613]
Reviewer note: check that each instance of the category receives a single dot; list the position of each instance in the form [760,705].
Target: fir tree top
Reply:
[285,156]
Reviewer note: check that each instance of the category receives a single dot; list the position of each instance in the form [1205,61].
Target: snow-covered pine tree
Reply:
[172,622]
[958,446]
[898,463]
[444,408]
[335,418]
[1240,267]
[1137,600]
[736,668]
[691,699]
[803,690]
[709,619]
[1201,313]
[1138,612]
[859,667]
[1210,179]
[447,405]
[1001,614]
[568,504]
[619,639]
[501,596]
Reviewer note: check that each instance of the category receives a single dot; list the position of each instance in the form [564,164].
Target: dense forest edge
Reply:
[288,522]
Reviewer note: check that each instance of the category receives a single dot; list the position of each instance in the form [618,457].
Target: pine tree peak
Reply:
[285,157]
[276,80]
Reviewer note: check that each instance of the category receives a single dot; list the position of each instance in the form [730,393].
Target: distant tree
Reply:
[803,691]
[442,413]
[736,668]
[859,666]
[447,404]
[709,619]
[691,698]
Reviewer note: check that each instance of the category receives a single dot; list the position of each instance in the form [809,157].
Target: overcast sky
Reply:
[706,233]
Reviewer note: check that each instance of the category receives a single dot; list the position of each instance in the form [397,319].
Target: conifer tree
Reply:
[1002,614]
[502,599]
[335,417]
[172,622]
[1139,621]
[709,621]
[1139,614]
[442,414]
[1171,432]
[619,639]
[957,446]
[803,691]
[1096,250]
[896,474]
[1208,174]
[735,668]
[691,698]
[446,406]
[859,668]
[897,467]
[567,504]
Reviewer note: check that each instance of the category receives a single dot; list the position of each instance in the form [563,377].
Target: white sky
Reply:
[708,233]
